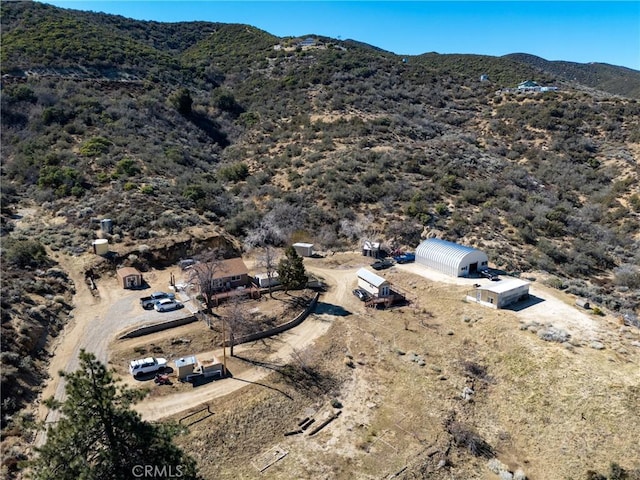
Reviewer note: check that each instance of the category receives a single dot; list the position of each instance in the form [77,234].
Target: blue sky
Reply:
[577,31]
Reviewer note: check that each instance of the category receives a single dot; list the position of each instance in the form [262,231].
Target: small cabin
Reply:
[373,284]
[188,368]
[185,366]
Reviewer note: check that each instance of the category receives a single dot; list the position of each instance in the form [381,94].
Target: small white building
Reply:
[304,249]
[190,367]
[451,258]
[371,249]
[262,280]
[501,294]
[185,366]
[372,283]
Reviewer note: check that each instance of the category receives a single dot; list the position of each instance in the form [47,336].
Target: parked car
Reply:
[145,366]
[382,264]
[361,294]
[491,276]
[149,302]
[167,305]
[405,258]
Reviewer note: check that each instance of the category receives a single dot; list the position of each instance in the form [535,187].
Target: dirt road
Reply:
[296,339]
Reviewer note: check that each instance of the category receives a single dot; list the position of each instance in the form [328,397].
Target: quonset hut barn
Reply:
[451,258]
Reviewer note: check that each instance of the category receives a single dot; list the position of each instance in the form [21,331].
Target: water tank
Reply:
[106,225]
[101,246]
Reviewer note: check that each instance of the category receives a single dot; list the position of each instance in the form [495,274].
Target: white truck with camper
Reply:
[145,366]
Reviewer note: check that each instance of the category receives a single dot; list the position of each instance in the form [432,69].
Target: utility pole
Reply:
[224,349]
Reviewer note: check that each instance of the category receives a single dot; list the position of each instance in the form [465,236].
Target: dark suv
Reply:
[361,294]
[381,264]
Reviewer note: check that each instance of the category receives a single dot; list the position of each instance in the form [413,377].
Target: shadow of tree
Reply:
[210,128]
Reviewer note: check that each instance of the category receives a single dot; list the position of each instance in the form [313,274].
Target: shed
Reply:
[371,249]
[501,294]
[262,280]
[304,249]
[372,283]
[129,277]
[451,258]
[106,225]
[185,366]
[210,367]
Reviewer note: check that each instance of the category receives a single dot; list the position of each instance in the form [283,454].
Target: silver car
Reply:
[167,305]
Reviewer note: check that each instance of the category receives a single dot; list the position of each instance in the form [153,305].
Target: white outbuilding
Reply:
[263,280]
[304,249]
[371,249]
[501,294]
[372,283]
[451,258]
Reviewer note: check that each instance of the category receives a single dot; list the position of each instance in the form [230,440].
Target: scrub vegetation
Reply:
[164,127]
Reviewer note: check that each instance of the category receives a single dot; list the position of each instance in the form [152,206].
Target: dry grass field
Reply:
[430,390]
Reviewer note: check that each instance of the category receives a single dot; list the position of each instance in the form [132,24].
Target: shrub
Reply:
[627,276]
[95,147]
[24,253]
[234,173]
[466,437]
[553,334]
[127,167]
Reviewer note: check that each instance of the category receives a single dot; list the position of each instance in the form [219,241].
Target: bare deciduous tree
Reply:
[206,274]
[237,320]
[276,227]
[268,260]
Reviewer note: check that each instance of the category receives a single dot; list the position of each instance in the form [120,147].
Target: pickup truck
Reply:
[149,302]
[405,258]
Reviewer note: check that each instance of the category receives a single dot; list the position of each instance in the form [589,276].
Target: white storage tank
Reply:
[101,246]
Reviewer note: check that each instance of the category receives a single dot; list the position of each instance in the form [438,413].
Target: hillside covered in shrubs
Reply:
[167,126]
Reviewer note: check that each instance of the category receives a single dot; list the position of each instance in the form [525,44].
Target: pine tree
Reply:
[100,437]
[291,270]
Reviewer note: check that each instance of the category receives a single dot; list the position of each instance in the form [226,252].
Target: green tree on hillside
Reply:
[291,270]
[99,436]
[182,101]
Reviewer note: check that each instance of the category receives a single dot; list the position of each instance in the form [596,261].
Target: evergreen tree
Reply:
[182,101]
[99,436]
[291,270]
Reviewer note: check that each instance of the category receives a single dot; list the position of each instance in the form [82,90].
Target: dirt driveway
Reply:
[284,346]
[98,320]
[546,307]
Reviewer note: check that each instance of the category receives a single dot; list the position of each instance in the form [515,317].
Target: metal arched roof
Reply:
[448,257]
